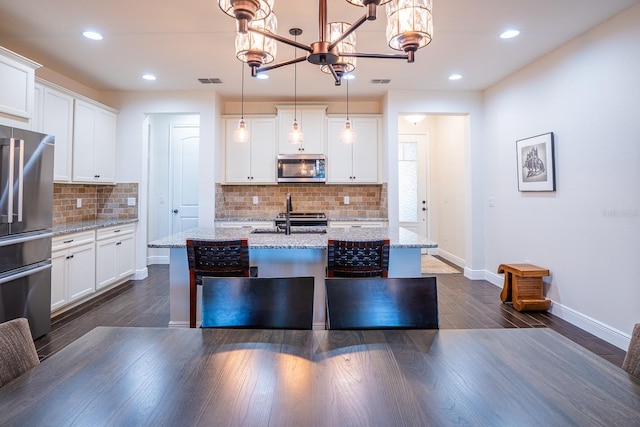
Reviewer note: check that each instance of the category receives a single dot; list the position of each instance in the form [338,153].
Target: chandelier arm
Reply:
[274,66]
[351,29]
[281,39]
[408,56]
[335,75]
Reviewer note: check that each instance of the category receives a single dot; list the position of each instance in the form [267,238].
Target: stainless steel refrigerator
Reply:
[26,219]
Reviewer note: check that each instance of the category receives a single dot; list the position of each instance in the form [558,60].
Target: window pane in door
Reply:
[408,181]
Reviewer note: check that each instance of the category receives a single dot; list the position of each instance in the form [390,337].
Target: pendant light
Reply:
[241,134]
[295,136]
[348,135]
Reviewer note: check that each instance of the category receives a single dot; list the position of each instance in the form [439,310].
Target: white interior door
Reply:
[413,183]
[185,142]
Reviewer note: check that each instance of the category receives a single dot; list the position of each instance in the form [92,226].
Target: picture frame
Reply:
[536,167]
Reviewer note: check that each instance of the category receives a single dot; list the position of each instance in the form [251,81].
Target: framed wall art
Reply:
[536,169]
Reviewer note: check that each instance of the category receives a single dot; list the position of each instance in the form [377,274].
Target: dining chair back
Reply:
[382,303]
[17,351]
[257,302]
[214,258]
[346,258]
[631,362]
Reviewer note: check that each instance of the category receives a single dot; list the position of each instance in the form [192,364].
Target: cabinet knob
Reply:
[175,211]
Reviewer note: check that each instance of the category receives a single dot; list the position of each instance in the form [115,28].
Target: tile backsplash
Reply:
[97,202]
[365,201]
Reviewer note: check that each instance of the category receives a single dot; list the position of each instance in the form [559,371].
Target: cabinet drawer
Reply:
[70,240]
[105,233]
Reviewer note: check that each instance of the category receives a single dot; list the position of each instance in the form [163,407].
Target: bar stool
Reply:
[347,258]
[214,258]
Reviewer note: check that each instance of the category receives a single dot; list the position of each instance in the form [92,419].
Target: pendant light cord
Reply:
[295,83]
[347,98]
[242,92]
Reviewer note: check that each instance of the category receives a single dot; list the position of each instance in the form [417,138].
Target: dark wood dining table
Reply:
[235,377]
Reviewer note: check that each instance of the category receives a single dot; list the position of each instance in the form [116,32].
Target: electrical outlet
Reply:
[78,203]
[255,200]
[346,200]
[131,201]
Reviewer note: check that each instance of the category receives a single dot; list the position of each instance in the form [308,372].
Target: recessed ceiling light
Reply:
[149,77]
[509,34]
[455,77]
[349,76]
[92,35]
[262,76]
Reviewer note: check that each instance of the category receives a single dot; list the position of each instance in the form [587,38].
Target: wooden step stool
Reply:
[523,286]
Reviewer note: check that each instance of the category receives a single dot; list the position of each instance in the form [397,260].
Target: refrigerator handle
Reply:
[12,153]
[21,180]
[25,272]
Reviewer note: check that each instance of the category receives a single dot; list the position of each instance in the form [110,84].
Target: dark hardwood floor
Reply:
[463,304]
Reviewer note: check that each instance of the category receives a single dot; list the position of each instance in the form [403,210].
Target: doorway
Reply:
[173,178]
[432,194]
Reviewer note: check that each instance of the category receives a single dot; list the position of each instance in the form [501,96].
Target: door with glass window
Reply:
[413,183]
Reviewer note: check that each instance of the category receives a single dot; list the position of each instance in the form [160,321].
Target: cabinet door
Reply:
[125,254]
[312,121]
[237,154]
[106,262]
[58,279]
[339,154]
[104,162]
[57,120]
[81,269]
[263,154]
[365,150]
[17,80]
[84,125]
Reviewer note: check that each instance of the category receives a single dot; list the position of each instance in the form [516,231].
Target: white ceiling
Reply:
[183,41]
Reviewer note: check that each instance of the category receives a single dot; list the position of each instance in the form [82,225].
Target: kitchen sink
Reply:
[296,230]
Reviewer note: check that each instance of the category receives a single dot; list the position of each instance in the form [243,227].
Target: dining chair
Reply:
[347,258]
[631,362]
[17,351]
[257,302]
[214,258]
[382,303]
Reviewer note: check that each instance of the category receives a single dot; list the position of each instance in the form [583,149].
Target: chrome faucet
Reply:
[287,216]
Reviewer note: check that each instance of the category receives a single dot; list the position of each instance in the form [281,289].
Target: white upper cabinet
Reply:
[254,161]
[94,143]
[54,116]
[17,80]
[313,123]
[357,162]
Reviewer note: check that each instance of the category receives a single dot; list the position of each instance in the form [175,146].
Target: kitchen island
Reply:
[280,255]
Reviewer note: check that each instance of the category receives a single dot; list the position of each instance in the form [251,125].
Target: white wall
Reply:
[588,231]
[133,147]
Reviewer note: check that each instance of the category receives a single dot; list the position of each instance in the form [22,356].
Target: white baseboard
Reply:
[180,324]
[151,260]
[451,258]
[582,321]
[140,274]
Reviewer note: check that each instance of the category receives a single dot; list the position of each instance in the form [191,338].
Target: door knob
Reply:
[175,211]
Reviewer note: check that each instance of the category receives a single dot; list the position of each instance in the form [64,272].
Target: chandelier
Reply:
[409,28]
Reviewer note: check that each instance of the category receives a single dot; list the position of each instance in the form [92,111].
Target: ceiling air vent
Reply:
[212,80]
[381,81]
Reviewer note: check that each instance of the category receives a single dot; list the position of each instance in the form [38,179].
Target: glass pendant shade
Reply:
[345,64]
[295,136]
[348,135]
[409,24]
[256,49]
[241,134]
[366,2]
[246,10]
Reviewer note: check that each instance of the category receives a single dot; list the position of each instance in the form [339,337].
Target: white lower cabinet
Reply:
[115,254]
[73,268]
[85,262]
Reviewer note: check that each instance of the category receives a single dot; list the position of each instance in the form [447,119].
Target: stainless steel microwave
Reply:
[301,168]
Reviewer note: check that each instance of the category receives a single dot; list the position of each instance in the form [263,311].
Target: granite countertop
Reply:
[399,238]
[75,227]
[254,219]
